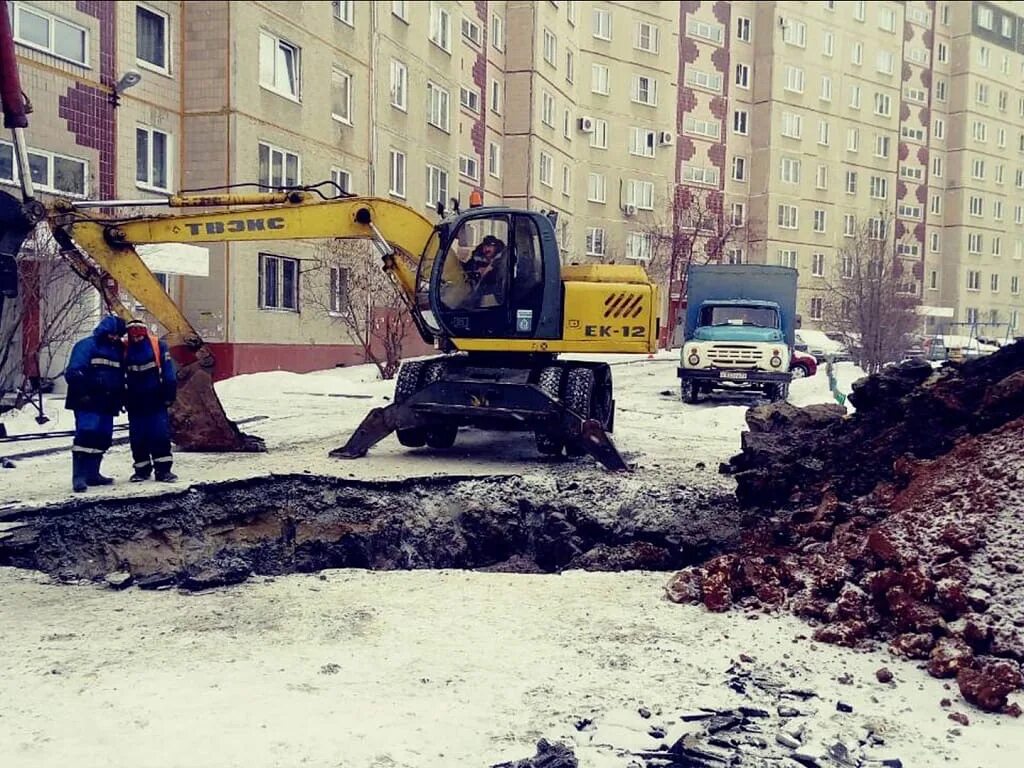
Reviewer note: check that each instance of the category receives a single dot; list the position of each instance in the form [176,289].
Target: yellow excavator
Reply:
[485,285]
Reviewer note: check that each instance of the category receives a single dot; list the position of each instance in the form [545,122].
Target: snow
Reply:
[418,669]
[424,668]
[304,416]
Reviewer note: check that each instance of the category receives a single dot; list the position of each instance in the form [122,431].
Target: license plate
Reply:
[734,375]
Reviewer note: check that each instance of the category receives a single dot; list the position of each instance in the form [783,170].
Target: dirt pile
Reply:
[901,523]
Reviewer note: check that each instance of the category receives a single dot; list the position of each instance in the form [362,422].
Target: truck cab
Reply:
[738,331]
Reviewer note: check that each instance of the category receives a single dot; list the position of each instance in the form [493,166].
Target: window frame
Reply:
[397,171]
[264,257]
[336,72]
[47,186]
[279,43]
[166,19]
[285,153]
[438,173]
[402,70]
[148,183]
[49,49]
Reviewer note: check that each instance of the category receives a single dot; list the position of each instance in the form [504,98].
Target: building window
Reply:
[595,241]
[698,174]
[547,109]
[152,158]
[472,32]
[398,8]
[702,29]
[849,230]
[794,32]
[942,54]
[981,93]
[933,280]
[855,97]
[494,160]
[339,289]
[344,10]
[739,122]
[853,139]
[550,47]
[279,65]
[975,205]
[498,32]
[566,180]
[710,81]
[857,54]
[826,88]
[397,174]
[905,211]
[743,75]
[469,167]
[570,66]
[973,280]
[51,172]
[547,168]
[739,168]
[974,242]
[789,171]
[51,34]
[399,85]
[469,98]
[743,29]
[602,21]
[883,104]
[794,79]
[440,27]
[939,131]
[278,167]
[819,220]
[978,169]
[496,97]
[641,142]
[887,19]
[151,39]
[997,246]
[851,182]
[788,217]
[816,307]
[734,256]
[818,264]
[792,125]
[878,187]
[438,107]
[341,179]
[596,188]
[787,257]
[823,133]
[828,44]
[936,206]
[599,79]
[1014,285]
[933,242]
[882,144]
[708,128]
[648,38]
[912,133]
[341,96]
[599,138]
[940,90]
[640,194]
[914,174]
[738,214]
[884,62]
[638,246]
[937,167]
[645,90]
[567,124]
[821,177]
[437,186]
[279,282]
[876,229]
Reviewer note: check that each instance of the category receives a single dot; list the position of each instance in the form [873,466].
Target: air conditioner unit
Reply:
[586,124]
[629,210]
[665,139]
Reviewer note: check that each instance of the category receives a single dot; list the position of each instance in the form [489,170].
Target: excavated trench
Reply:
[215,534]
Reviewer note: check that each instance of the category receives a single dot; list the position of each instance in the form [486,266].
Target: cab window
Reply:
[477,266]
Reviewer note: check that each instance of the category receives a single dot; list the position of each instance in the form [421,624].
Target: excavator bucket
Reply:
[198,420]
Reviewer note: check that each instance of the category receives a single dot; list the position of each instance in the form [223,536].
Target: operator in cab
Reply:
[152,385]
[95,379]
[485,272]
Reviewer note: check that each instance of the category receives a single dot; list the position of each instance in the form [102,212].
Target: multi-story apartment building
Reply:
[790,123]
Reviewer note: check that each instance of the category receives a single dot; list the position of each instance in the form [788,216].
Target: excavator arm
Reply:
[97,247]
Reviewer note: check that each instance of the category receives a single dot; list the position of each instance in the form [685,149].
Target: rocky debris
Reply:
[118,580]
[548,756]
[221,533]
[905,413]
[900,523]
[883,675]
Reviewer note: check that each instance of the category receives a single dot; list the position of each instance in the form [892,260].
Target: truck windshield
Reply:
[763,317]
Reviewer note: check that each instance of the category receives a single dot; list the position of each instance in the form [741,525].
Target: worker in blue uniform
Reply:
[152,385]
[95,379]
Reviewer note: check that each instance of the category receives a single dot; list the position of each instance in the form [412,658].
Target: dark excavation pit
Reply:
[221,533]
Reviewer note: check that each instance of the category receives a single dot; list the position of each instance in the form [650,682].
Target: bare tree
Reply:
[54,309]
[870,299]
[348,284]
[695,228]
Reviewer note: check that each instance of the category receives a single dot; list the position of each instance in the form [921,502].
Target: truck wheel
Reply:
[550,382]
[408,382]
[415,437]
[443,436]
[690,391]
[579,398]
[776,392]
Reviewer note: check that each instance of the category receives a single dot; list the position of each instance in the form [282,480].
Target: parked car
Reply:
[821,346]
[802,365]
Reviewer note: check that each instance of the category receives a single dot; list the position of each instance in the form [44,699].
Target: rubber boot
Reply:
[166,476]
[78,472]
[94,477]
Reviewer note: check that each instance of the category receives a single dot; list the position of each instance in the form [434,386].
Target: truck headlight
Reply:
[693,359]
[776,361]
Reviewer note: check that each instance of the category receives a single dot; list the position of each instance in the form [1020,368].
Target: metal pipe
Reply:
[149,202]
[194,201]
[28,191]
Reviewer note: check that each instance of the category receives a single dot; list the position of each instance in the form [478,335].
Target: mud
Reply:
[216,534]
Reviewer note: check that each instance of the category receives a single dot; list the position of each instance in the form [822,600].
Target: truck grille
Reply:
[735,355]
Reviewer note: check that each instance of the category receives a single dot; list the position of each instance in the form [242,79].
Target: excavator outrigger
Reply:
[500,335]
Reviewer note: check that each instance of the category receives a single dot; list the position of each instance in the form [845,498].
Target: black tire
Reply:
[603,406]
[432,371]
[416,437]
[408,382]
[579,398]
[443,436]
[777,392]
[689,391]
[550,382]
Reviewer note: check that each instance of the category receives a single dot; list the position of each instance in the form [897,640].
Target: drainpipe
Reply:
[372,85]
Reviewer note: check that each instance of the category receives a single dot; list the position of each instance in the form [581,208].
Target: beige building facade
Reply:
[790,122]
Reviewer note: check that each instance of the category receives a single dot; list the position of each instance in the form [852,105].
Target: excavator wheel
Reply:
[550,382]
[406,386]
[579,397]
[442,436]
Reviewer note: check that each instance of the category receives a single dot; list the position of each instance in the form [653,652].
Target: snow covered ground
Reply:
[308,415]
[427,668]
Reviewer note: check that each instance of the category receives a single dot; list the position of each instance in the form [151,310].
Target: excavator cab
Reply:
[492,273]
